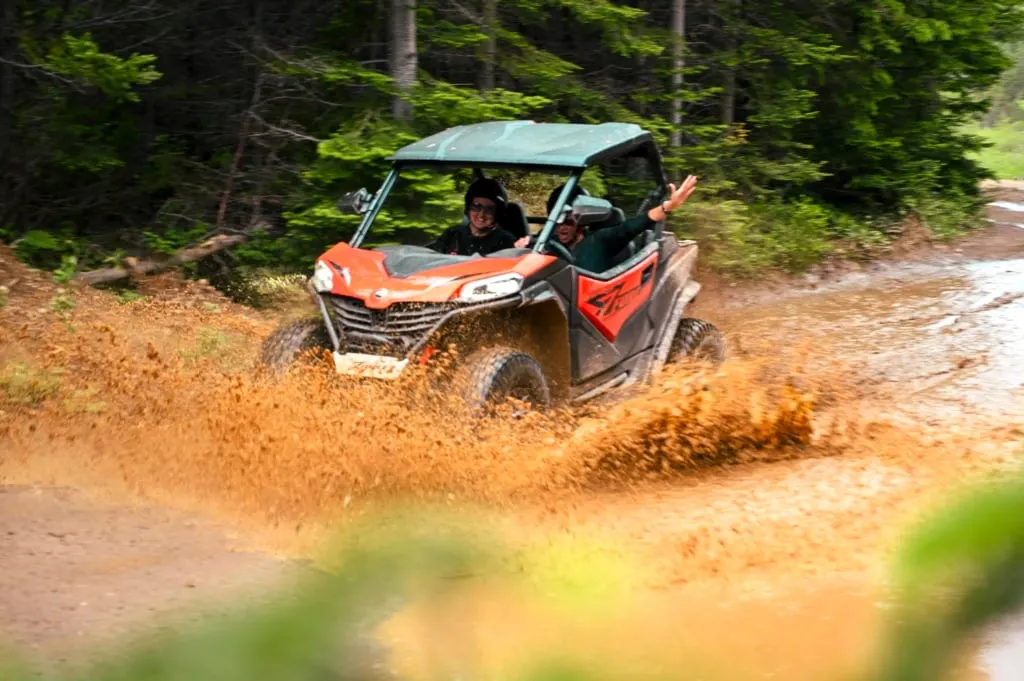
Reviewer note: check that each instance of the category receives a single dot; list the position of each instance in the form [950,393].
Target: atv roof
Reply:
[525,143]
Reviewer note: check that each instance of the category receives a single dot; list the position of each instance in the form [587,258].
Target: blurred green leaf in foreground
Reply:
[961,571]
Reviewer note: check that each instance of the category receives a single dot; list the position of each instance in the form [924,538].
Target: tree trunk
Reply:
[491,46]
[404,63]
[208,247]
[8,45]
[729,97]
[678,45]
[246,125]
[729,84]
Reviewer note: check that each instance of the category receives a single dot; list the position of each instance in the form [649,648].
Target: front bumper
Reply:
[369,366]
[382,345]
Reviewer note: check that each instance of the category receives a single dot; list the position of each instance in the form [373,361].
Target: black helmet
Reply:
[557,191]
[487,188]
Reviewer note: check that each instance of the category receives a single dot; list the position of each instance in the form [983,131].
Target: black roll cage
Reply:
[642,147]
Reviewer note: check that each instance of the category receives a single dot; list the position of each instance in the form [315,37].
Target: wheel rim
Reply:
[522,391]
[706,350]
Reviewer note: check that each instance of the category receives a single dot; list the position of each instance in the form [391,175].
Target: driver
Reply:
[593,251]
[485,203]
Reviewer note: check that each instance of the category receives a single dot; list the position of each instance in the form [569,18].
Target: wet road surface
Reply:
[944,340]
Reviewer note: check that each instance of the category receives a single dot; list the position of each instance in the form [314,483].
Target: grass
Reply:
[85,401]
[62,303]
[210,342]
[223,349]
[25,385]
[128,296]
[1005,159]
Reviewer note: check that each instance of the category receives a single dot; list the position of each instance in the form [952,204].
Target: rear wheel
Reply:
[490,376]
[290,340]
[697,339]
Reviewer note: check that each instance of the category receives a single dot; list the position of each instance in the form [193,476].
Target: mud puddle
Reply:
[936,341]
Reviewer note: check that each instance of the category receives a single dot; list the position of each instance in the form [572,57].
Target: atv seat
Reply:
[514,220]
[633,247]
[617,218]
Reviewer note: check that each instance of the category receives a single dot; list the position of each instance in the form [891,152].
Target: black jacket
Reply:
[597,249]
[459,240]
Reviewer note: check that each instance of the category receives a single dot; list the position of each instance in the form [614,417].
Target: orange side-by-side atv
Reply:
[526,323]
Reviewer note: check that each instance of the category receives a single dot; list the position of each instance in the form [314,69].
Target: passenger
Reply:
[594,251]
[485,203]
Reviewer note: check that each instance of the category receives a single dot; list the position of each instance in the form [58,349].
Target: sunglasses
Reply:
[481,208]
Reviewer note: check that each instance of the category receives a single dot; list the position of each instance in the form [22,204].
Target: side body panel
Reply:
[619,319]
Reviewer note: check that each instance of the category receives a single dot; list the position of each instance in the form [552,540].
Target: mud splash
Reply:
[158,399]
[161,423]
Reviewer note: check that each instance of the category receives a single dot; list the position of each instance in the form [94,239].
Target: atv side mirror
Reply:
[357,202]
[589,210]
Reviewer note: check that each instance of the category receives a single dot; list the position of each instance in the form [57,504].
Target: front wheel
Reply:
[697,339]
[490,376]
[289,341]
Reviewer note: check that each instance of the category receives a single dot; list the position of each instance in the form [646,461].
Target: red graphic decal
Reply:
[609,304]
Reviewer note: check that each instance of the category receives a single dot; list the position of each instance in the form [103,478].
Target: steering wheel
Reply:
[555,247]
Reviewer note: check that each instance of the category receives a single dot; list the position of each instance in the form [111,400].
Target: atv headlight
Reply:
[494,287]
[323,277]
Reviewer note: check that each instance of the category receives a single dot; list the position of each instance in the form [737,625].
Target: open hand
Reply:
[678,195]
[523,242]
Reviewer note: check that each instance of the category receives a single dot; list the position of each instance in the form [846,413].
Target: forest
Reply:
[140,127]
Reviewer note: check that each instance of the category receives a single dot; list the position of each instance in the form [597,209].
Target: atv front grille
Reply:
[397,327]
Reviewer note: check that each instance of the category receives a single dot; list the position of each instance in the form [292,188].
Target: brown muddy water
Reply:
[942,341]
[747,522]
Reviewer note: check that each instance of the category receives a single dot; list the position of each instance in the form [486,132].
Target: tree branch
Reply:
[206,248]
[464,11]
[294,134]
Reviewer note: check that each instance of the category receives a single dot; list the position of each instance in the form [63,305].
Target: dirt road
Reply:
[74,571]
[930,395]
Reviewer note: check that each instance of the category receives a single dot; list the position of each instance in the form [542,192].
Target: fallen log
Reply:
[134,267]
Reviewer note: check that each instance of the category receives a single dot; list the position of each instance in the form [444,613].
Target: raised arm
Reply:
[676,197]
[617,237]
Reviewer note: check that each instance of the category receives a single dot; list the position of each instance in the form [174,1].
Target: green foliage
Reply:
[67,270]
[891,116]
[745,239]
[1007,95]
[52,250]
[38,246]
[80,59]
[63,303]
[1004,159]
[173,239]
[962,570]
[128,296]
[948,216]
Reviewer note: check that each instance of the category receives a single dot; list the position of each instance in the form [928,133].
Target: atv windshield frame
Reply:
[645,149]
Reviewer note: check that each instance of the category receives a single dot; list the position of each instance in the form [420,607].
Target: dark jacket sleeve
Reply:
[446,242]
[614,239]
[508,240]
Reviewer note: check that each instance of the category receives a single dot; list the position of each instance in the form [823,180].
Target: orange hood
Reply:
[364,274]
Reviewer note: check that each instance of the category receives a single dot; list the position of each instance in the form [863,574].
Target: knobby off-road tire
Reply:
[287,342]
[489,376]
[697,339]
